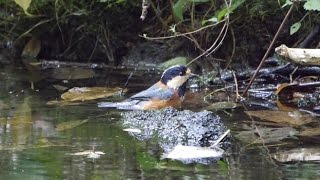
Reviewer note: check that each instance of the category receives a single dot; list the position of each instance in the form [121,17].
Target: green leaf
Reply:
[179,8]
[24,4]
[312,5]
[295,27]
[221,14]
[288,3]
[174,61]
[212,20]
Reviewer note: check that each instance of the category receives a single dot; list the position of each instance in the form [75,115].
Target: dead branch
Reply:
[299,55]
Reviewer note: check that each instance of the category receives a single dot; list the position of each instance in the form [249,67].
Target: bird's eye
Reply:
[181,73]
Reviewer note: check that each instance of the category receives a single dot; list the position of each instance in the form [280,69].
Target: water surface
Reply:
[32,148]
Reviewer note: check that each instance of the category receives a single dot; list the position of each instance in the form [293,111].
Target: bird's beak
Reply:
[190,74]
[193,76]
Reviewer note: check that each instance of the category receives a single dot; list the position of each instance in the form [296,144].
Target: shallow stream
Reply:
[33,147]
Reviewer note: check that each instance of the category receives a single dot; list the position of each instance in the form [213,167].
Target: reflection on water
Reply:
[31,147]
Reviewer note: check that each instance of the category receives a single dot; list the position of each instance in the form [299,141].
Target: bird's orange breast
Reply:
[174,101]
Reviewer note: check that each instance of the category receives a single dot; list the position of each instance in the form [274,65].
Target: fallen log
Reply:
[299,56]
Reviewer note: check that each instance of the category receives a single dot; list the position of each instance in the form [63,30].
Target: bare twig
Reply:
[210,49]
[108,47]
[236,85]
[233,48]
[182,34]
[220,138]
[266,54]
[57,19]
[219,39]
[33,27]
[93,51]
[126,84]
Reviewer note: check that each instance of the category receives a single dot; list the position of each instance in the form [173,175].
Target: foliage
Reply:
[67,26]
[312,5]
[295,27]
[309,5]
[24,4]
[102,30]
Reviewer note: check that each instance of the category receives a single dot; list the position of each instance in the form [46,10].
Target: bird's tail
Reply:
[118,105]
[107,104]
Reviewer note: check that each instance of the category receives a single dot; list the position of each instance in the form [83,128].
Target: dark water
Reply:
[32,148]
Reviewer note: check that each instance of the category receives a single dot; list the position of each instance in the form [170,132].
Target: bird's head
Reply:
[176,76]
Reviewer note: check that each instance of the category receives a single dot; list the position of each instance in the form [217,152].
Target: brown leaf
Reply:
[32,48]
[291,118]
[222,105]
[70,124]
[288,91]
[62,103]
[310,132]
[89,93]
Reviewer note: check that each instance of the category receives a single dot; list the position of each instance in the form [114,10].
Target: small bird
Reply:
[168,91]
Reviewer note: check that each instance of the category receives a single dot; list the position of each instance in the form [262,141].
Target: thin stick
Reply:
[125,85]
[236,85]
[182,34]
[220,37]
[220,138]
[265,55]
[209,50]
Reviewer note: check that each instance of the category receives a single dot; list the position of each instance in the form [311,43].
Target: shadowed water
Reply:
[31,147]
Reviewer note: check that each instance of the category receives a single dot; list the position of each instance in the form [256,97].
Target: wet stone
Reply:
[171,127]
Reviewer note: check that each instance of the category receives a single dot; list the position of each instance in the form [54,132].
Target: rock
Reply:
[171,127]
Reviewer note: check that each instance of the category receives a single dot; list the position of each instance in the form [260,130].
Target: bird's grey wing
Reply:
[134,102]
[130,105]
[154,92]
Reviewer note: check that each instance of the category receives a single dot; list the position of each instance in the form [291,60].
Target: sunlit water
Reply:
[31,147]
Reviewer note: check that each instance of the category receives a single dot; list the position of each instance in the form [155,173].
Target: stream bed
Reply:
[39,141]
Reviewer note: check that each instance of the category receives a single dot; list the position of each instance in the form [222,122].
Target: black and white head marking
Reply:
[175,76]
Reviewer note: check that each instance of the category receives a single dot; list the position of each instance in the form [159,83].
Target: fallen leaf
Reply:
[181,152]
[286,91]
[70,124]
[266,135]
[132,130]
[222,106]
[62,103]
[292,118]
[90,154]
[310,132]
[298,154]
[89,93]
